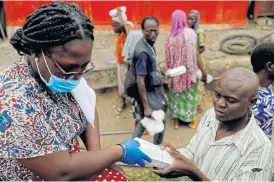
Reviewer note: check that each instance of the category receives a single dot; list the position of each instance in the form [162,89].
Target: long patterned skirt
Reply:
[183,105]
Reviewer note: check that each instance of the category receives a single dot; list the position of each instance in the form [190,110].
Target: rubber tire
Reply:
[228,51]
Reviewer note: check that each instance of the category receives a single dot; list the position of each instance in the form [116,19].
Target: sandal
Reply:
[120,109]
[193,124]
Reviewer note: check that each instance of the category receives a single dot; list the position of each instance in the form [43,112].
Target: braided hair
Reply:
[261,55]
[51,25]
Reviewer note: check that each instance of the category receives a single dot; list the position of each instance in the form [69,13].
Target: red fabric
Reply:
[110,175]
[107,174]
[76,147]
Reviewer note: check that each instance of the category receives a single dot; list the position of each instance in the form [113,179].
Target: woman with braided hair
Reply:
[40,111]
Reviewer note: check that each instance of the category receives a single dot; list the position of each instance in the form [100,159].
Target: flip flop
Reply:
[193,124]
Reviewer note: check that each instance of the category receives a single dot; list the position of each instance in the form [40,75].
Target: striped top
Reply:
[244,156]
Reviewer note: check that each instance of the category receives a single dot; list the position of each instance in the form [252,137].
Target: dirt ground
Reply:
[110,122]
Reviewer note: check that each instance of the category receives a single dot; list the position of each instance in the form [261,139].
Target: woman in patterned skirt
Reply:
[194,22]
[181,50]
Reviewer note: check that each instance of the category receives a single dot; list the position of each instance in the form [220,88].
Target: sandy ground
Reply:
[110,122]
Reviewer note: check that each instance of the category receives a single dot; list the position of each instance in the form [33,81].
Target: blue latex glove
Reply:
[132,153]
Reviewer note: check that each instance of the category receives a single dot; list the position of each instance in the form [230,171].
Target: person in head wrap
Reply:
[183,93]
[194,22]
[119,22]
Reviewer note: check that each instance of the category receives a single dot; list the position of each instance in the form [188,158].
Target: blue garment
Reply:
[264,109]
[141,64]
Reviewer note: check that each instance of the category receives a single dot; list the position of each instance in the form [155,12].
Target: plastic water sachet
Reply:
[176,71]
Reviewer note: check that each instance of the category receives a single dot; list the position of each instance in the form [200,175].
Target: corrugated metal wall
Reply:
[264,8]
[212,12]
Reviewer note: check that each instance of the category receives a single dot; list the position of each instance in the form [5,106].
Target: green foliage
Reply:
[144,174]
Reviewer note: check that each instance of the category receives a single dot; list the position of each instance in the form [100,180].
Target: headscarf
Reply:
[180,50]
[197,15]
[178,23]
[115,17]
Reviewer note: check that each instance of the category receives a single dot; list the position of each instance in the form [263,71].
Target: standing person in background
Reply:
[262,60]
[132,38]
[145,86]
[194,22]
[180,50]
[119,22]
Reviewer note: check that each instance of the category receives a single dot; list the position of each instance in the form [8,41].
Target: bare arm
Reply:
[141,72]
[182,166]
[198,175]
[93,135]
[142,90]
[63,166]
[200,64]
[119,13]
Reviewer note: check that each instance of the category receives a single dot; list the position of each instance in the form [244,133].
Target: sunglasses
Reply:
[72,74]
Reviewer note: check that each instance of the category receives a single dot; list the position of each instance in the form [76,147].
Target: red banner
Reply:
[212,12]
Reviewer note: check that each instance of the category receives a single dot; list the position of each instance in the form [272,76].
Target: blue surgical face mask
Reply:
[57,84]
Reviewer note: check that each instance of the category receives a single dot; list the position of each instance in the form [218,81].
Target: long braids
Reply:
[53,24]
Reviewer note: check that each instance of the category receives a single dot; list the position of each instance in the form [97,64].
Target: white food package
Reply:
[199,76]
[160,158]
[176,71]
[155,124]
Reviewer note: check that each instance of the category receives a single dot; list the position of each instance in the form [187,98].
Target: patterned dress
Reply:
[34,121]
[201,43]
[264,110]
[183,93]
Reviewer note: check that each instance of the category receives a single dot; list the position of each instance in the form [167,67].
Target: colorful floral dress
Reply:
[183,93]
[34,121]
[201,43]
[264,110]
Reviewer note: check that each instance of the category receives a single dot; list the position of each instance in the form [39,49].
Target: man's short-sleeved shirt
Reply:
[244,156]
[141,64]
